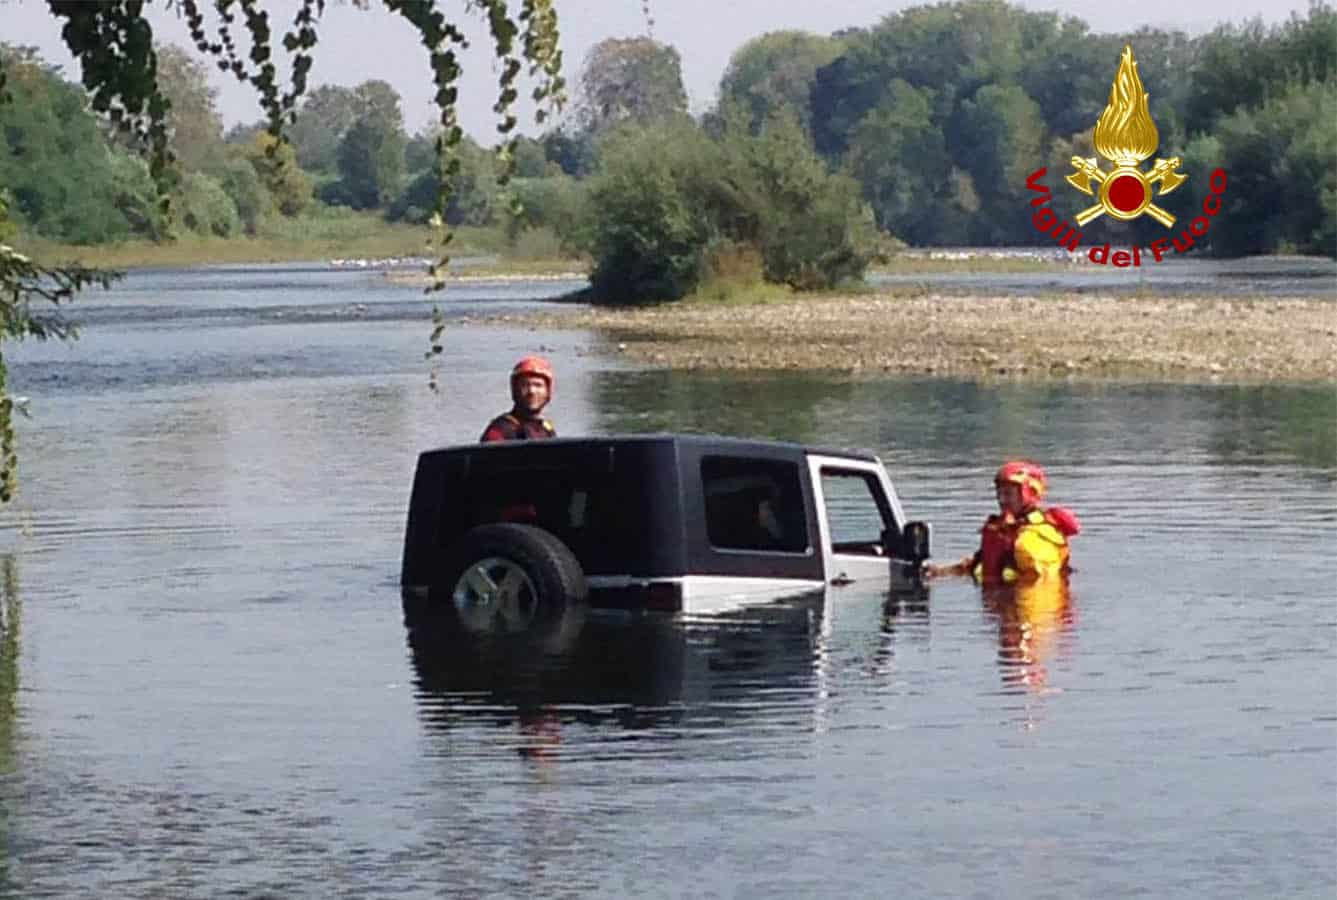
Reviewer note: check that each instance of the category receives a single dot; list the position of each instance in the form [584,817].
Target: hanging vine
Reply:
[114,44]
[442,39]
[21,283]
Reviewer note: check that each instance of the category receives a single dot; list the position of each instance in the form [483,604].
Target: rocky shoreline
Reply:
[1063,336]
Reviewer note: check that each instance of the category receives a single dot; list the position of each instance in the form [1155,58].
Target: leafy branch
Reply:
[22,283]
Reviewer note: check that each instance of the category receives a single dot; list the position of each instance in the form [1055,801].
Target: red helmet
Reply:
[1029,476]
[533,365]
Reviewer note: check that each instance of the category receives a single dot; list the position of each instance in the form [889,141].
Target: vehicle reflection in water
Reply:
[768,663]
[1035,622]
[904,624]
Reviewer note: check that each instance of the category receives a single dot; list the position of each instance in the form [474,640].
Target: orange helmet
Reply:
[1029,476]
[533,365]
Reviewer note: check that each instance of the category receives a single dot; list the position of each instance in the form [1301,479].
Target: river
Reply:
[207,687]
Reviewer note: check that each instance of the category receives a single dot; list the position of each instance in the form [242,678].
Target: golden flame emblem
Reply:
[1126,135]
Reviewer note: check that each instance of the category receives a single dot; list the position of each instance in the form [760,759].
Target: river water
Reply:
[208,689]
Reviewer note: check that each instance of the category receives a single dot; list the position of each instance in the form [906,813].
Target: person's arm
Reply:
[964,566]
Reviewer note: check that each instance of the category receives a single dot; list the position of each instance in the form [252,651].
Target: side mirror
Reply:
[916,541]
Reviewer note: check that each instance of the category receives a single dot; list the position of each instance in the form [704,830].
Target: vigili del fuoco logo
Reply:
[1126,136]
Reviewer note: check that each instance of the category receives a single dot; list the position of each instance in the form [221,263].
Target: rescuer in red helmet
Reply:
[531,389]
[1023,541]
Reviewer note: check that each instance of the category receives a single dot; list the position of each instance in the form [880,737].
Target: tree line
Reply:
[820,154]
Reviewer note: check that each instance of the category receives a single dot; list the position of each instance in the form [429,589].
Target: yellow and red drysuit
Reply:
[1032,546]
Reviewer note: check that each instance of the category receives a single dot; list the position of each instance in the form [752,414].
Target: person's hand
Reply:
[929,571]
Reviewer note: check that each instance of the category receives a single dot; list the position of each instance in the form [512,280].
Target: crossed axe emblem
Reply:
[1125,193]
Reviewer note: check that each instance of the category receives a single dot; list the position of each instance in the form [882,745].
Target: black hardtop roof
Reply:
[722,442]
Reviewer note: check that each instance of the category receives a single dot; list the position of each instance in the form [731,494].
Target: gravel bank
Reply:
[1205,339]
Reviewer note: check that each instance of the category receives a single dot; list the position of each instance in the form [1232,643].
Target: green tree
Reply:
[53,159]
[420,152]
[204,207]
[776,72]
[371,154]
[323,120]
[1240,66]
[530,160]
[243,134]
[573,151]
[1067,70]
[899,157]
[812,227]
[276,165]
[1006,134]
[948,49]
[371,164]
[630,79]
[669,203]
[251,198]
[1281,165]
[555,202]
[648,235]
[136,196]
[473,190]
[196,128]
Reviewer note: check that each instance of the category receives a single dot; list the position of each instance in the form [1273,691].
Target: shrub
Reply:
[669,206]
[250,197]
[648,229]
[556,203]
[205,208]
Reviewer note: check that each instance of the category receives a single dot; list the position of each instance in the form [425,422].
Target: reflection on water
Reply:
[606,668]
[10,611]
[1297,276]
[970,420]
[1033,620]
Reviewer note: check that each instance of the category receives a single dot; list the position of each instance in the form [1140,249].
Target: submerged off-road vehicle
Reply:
[503,532]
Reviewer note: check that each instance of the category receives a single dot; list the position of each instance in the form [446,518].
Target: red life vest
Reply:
[510,427]
[996,559]
[997,538]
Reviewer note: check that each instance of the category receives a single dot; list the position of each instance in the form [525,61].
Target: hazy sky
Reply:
[357,45]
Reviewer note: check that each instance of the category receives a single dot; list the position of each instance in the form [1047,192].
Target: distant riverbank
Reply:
[1059,335]
[342,239]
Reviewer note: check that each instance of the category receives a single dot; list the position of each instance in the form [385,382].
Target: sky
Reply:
[357,45]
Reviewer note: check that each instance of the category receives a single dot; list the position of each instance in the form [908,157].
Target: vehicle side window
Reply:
[857,511]
[754,504]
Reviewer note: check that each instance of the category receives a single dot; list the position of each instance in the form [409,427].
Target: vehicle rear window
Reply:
[754,504]
[572,503]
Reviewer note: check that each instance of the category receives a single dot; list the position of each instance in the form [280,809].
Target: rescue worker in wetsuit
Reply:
[531,389]
[1024,541]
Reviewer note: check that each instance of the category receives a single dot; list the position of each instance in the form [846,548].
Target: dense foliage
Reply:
[62,149]
[936,113]
[820,149]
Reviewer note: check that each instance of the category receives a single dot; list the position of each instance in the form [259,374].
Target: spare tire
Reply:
[506,577]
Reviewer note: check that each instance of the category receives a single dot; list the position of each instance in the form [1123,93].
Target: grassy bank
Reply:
[1053,336]
[347,234]
[341,234]
[925,263]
